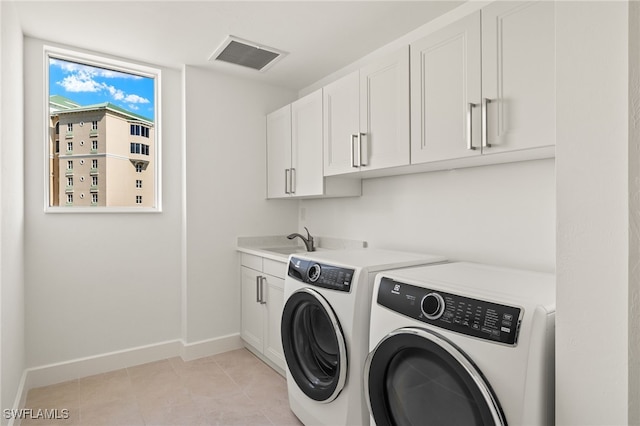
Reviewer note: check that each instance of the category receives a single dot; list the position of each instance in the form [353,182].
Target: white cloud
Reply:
[73,67]
[80,83]
[136,99]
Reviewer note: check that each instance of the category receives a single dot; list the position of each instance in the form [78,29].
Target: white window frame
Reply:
[128,66]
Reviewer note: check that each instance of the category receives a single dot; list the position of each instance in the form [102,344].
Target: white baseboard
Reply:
[83,367]
[191,351]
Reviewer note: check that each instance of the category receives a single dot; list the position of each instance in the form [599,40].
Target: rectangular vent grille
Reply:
[247,54]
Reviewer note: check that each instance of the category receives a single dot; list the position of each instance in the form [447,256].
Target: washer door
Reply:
[314,345]
[417,377]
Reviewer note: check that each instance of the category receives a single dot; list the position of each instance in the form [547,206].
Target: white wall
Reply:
[97,283]
[226,190]
[12,328]
[501,214]
[592,214]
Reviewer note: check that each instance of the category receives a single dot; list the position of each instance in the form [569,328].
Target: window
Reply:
[57,128]
[123,97]
[57,147]
[69,198]
[70,181]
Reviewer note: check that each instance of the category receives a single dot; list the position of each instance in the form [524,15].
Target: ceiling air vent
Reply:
[246,53]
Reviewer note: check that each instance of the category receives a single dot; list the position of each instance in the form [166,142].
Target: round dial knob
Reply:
[314,272]
[432,306]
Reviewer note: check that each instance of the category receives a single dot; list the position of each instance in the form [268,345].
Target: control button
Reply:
[432,306]
[507,317]
[314,272]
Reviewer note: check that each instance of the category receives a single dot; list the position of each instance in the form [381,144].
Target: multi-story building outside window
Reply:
[122,153]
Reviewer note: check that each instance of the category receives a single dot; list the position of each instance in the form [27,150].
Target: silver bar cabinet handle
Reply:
[353,147]
[362,137]
[470,107]
[292,182]
[286,181]
[485,124]
[262,301]
[258,289]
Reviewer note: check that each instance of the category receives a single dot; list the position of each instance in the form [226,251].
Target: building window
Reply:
[70,181]
[94,198]
[69,198]
[119,97]
[138,199]
[57,147]
[57,128]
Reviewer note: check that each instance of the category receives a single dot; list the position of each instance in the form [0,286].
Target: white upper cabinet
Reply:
[446,92]
[485,84]
[306,146]
[278,152]
[366,117]
[294,153]
[518,74]
[341,123]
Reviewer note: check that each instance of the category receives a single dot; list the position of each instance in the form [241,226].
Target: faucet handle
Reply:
[308,233]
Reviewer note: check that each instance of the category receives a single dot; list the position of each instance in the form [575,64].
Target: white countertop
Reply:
[278,247]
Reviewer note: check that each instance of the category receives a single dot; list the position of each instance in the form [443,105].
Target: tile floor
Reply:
[233,388]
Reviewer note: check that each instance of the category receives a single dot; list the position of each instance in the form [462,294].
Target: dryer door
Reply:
[417,377]
[314,345]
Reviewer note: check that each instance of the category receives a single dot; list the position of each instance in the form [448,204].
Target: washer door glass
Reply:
[417,377]
[314,345]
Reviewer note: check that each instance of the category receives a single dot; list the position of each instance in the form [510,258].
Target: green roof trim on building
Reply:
[60,102]
[103,105]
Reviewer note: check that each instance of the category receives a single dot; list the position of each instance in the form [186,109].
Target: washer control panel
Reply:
[321,275]
[472,317]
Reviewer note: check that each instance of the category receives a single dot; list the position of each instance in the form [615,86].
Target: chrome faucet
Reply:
[308,242]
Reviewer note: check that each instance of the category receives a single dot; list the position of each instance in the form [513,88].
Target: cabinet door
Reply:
[341,103]
[384,112]
[445,81]
[306,145]
[274,289]
[278,152]
[518,74]
[252,311]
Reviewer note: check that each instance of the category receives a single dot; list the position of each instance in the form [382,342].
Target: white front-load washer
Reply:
[325,330]
[461,344]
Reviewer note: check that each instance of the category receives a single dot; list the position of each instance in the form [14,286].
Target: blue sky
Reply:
[88,85]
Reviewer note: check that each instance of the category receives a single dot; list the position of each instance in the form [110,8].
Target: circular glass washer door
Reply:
[314,345]
[417,377]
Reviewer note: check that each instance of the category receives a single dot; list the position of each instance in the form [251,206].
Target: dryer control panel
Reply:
[473,317]
[321,275]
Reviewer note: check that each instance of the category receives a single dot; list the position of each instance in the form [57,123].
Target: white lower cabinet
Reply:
[262,302]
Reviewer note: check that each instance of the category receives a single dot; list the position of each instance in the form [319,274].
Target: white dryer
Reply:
[325,330]
[461,344]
